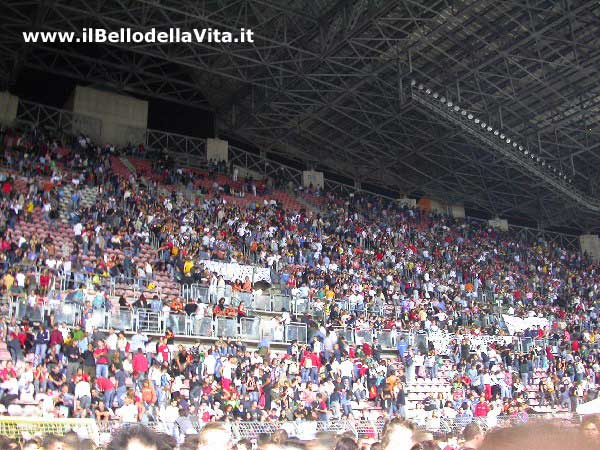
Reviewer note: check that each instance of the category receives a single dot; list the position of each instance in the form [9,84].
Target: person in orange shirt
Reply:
[148,394]
[247,285]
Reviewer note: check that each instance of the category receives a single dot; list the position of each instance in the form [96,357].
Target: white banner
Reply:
[518,325]
[235,271]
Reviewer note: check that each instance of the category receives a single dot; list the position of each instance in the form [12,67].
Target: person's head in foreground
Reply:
[473,436]
[346,443]
[398,435]
[141,438]
[424,441]
[590,425]
[214,436]
[544,436]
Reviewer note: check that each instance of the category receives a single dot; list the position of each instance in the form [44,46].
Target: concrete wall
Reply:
[313,177]
[437,206]
[124,119]
[457,211]
[590,243]
[8,108]
[499,224]
[217,150]
[410,202]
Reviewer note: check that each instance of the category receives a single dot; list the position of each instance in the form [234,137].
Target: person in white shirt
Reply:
[128,413]
[168,415]
[10,386]
[285,317]
[111,340]
[83,393]
[77,230]
[210,363]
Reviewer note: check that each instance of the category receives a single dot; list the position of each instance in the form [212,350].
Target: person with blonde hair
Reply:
[398,434]
[214,435]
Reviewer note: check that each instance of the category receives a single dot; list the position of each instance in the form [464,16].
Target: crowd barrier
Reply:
[442,429]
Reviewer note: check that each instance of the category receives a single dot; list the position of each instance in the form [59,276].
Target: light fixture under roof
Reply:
[515,144]
[521,147]
[463,112]
[421,86]
[450,104]
[543,163]
[508,140]
[470,116]
[443,99]
[477,120]
[428,91]
[502,136]
[526,152]
[413,82]
[436,95]
[489,128]
[496,132]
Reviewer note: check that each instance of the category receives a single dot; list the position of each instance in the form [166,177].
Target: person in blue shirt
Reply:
[401,346]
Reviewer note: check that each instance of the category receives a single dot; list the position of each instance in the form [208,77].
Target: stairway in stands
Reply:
[88,198]
[128,164]
[308,205]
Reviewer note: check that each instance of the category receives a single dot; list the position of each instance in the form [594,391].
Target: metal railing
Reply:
[363,428]
[75,312]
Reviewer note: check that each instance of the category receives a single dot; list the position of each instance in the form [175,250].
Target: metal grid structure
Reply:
[327,82]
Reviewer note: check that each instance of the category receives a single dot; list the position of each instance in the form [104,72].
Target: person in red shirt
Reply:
[103,384]
[163,349]
[56,339]
[140,363]
[101,357]
[482,408]
[44,282]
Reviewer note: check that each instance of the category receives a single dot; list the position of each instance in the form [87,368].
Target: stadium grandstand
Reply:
[312,224]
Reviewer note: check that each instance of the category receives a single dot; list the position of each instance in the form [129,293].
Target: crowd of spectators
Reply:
[363,263]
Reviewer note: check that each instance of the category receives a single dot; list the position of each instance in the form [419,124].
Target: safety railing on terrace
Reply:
[255,329]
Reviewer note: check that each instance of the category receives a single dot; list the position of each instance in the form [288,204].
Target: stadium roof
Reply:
[330,82]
